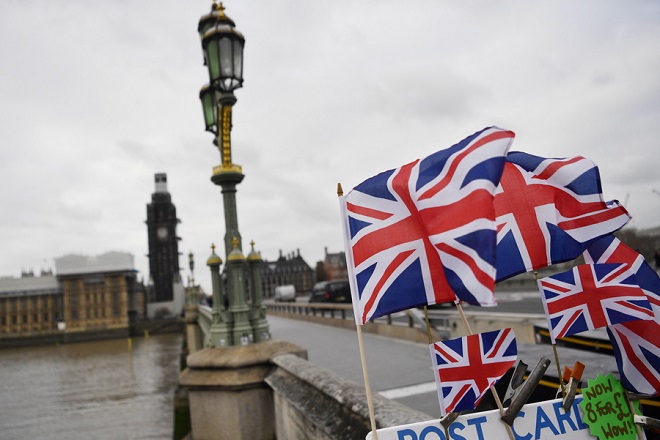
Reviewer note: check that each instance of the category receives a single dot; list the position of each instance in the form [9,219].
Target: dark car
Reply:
[337,291]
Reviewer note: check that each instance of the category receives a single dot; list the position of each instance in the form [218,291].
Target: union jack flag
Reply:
[610,249]
[637,355]
[424,233]
[465,368]
[549,211]
[635,343]
[591,296]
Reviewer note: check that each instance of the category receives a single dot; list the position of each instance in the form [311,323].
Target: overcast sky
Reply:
[96,97]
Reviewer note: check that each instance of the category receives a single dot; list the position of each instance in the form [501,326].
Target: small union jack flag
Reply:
[465,368]
[637,353]
[635,343]
[424,233]
[549,211]
[592,296]
[610,249]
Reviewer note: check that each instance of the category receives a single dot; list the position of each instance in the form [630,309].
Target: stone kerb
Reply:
[228,395]
[314,403]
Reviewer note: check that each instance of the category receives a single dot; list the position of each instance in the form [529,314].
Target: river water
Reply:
[98,390]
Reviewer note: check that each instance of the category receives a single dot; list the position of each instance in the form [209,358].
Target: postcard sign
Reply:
[536,421]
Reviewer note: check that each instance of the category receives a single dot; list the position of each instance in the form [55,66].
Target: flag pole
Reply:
[367,386]
[496,397]
[561,383]
[554,350]
[363,357]
[430,338]
[428,325]
[640,432]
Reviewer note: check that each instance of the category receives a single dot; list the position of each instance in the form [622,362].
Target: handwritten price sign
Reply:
[606,409]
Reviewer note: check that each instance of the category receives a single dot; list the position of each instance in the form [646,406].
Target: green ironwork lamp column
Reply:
[258,310]
[223,55]
[220,334]
[242,333]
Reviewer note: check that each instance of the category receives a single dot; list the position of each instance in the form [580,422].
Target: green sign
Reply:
[606,409]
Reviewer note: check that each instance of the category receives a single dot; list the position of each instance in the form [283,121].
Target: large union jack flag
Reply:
[424,233]
[637,353]
[610,249]
[592,296]
[549,211]
[465,368]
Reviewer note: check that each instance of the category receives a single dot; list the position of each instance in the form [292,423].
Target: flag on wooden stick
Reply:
[465,368]
[592,296]
[549,211]
[424,233]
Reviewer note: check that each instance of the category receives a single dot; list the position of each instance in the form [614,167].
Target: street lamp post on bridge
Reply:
[243,321]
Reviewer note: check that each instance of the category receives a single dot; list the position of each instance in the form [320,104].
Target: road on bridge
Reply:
[401,370]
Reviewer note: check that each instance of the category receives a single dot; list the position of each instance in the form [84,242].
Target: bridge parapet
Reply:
[312,402]
[269,390]
[205,319]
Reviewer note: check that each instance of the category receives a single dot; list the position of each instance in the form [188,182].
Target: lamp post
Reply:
[192,296]
[223,46]
[223,55]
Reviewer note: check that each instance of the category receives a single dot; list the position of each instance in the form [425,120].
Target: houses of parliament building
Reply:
[89,295]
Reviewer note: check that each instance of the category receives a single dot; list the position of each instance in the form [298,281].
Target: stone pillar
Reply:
[193,333]
[229,398]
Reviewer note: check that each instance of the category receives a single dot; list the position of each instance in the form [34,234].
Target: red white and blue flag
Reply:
[637,351]
[549,211]
[610,249]
[465,368]
[592,296]
[424,233]
[636,344]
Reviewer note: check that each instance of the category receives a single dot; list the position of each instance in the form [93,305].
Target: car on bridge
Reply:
[335,291]
[285,293]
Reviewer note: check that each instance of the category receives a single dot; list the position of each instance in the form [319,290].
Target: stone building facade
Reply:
[287,269]
[333,267]
[30,304]
[86,294]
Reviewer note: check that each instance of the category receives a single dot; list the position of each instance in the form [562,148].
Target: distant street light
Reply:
[240,323]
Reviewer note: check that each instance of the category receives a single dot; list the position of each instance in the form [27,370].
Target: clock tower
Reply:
[163,242]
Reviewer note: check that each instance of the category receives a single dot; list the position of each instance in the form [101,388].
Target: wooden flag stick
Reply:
[363,357]
[428,325]
[561,382]
[498,402]
[463,317]
[631,405]
[367,386]
[554,350]
[430,339]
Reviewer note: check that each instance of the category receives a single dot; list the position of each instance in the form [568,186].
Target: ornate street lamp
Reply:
[210,108]
[223,55]
[223,49]
[222,44]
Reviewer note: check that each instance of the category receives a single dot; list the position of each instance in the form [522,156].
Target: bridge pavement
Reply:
[401,370]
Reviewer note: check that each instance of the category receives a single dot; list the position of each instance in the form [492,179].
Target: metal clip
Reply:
[575,374]
[647,422]
[449,418]
[517,379]
[526,391]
